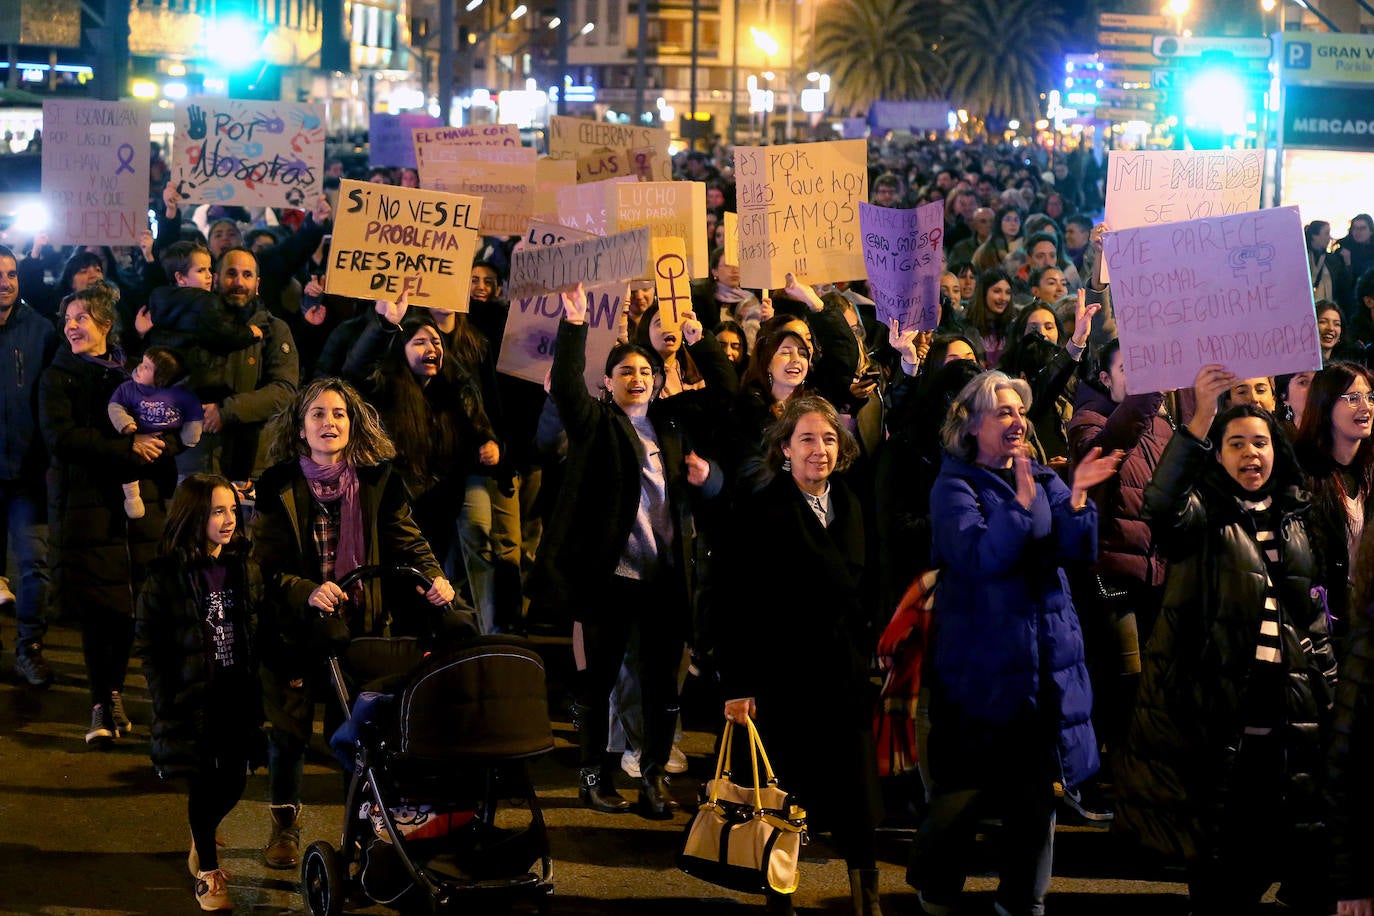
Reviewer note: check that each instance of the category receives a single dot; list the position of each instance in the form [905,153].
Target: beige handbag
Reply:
[746,839]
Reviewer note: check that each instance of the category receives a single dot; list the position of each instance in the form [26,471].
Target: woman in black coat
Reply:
[99,554]
[1223,757]
[196,631]
[618,554]
[798,647]
[332,503]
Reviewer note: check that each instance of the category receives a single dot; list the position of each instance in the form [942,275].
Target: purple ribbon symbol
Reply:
[126,159]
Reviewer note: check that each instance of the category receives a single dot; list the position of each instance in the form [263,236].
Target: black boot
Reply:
[776,904]
[655,801]
[863,889]
[598,793]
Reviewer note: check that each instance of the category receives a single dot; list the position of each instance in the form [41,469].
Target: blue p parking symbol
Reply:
[1298,55]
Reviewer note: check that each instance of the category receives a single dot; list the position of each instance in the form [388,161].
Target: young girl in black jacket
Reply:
[195,630]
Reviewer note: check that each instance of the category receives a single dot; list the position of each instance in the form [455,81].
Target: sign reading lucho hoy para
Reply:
[390,239]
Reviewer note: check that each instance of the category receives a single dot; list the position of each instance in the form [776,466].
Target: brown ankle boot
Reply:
[284,847]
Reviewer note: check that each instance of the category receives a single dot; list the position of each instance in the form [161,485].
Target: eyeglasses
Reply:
[1356,398]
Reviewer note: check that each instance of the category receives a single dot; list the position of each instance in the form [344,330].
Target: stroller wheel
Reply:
[322,880]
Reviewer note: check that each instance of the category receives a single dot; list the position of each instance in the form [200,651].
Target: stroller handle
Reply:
[354,577]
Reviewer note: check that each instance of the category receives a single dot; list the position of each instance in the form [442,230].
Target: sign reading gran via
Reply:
[1326,57]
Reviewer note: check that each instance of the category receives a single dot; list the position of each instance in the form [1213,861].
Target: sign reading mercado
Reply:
[1328,117]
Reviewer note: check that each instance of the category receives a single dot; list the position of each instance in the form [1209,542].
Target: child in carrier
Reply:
[196,629]
[150,402]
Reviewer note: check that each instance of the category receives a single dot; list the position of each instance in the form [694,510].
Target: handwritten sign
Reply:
[1170,186]
[671,209]
[434,144]
[545,233]
[389,137]
[549,176]
[1231,290]
[903,252]
[527,346]
[731,245]
[504,177]
[95,171]
[596,260]
[672,285]
[589,207]
[575,138]
[388,239]
[799,213]
[249,153]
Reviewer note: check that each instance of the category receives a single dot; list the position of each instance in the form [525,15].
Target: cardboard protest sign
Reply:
[731,246]
[527,346]
[575,138]
[903,252]
[388,239]
[549,176]
[600,166]
[390,139]
[589,207]
[502,176]
[440,143]
[596,260]
[95,171]
[248,153]
[1170,186]
[671,209]
[1232,290]
[546,233]
[798,211]
[672,285]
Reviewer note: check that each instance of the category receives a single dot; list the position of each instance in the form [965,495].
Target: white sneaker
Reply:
[677,761]
[212,891]
[6,595]
[629,762]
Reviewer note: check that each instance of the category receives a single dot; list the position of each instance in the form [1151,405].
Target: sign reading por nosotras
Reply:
[1231,290]
[562,266]
[388,239]
[95,171]
[249,153]
[903,255]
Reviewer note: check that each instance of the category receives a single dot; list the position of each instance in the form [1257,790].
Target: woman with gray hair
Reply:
[1010,698]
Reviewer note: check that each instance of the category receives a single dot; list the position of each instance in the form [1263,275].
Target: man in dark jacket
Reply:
[27,344]
[242,390]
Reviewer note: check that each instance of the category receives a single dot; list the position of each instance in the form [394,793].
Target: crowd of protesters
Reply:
[1152,609]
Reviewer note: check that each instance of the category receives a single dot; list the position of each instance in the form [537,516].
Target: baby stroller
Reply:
[433,759]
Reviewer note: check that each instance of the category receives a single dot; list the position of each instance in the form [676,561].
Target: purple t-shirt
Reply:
[156,409]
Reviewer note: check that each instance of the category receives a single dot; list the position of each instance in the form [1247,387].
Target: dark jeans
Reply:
[106,638]
[213,793]
[599,644]
[21,517]
[942,850]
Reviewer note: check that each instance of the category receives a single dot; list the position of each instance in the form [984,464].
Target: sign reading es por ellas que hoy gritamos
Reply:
[1231,290]
[249,153]
[388,239]
[95,171]
[903,252]
[799,211]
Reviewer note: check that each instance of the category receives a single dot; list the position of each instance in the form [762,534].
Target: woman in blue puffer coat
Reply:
[1010,700]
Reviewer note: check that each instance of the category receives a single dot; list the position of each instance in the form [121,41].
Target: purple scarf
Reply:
[330,483]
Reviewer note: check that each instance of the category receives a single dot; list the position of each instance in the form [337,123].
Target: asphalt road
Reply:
[95,832]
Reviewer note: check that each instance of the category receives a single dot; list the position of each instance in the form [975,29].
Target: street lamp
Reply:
[1178,9]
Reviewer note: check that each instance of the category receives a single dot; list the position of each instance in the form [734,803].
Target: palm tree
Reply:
[875,50]
[1000,54]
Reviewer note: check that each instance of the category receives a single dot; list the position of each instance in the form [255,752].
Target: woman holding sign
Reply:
[618,550]
[1224,753]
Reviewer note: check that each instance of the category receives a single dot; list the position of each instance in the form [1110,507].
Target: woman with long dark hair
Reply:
[1222,761]
[991,315]
[196,631]
[1336,452]
[1005,239]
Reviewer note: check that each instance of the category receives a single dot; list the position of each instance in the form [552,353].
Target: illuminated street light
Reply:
[1178,7]
[765,42]
[555,22]
[587,29]
[472,5]
[1268,5]
[522,10]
